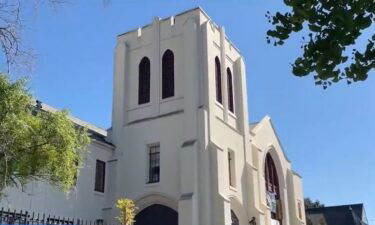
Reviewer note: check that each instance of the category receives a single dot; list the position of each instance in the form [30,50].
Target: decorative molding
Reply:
[112,160]
[216,146]
[107,146]
[186,196]
[297,174]
[139,32]
[171,37]
[146,105]
[188,143]
[155,117]
[226,124]
[216,45]
[152,198]
[138,47]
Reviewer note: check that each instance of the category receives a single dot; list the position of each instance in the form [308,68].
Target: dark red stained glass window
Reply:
[272,182]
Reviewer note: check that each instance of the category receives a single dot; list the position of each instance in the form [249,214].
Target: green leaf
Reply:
[333,27]
[314,28]
[37,145]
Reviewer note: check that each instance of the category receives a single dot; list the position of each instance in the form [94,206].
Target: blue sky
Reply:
[328,134]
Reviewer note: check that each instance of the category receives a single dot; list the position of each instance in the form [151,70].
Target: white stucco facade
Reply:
[195,134]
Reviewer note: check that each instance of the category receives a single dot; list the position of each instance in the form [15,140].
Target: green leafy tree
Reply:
[310,204]
[36,145]
[329,50]
[127,211]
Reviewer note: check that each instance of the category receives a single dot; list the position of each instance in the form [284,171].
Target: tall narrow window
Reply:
[272,183]
[272,189]
[219,97]
[168,74]
[232,169]
[154,164]
[144,81]
[99,176]
[230,90]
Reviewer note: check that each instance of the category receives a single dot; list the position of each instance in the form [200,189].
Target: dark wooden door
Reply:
[157,215]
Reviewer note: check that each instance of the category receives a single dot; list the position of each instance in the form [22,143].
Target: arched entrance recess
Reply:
[157,215]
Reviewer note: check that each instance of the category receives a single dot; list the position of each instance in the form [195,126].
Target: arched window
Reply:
[168,74]
[230,90]
[272,188]
[272,181]
[234,218]
[219,97]
[144,81]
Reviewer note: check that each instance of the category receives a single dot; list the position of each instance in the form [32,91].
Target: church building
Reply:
[181,145]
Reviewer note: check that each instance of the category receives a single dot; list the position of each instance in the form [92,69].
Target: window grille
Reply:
[154,164]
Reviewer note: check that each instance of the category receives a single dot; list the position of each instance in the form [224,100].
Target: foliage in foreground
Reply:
[36,145]
[127,211]
[333,29]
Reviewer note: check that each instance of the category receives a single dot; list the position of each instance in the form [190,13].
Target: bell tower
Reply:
[179,111]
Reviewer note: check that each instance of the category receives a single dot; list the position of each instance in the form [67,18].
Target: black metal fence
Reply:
[8,216]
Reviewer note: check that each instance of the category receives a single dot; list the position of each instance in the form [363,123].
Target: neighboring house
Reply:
[180,144]
[337,215]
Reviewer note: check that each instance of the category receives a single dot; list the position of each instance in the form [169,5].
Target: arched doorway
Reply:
[234,218]
[273,189]
[157,215]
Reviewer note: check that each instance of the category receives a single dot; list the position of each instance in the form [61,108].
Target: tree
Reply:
[333,29]
[310,204]
[127,211]
[36,145]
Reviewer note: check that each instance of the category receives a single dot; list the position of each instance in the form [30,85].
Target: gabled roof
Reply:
[340,215]
[96,133]
[254,127]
